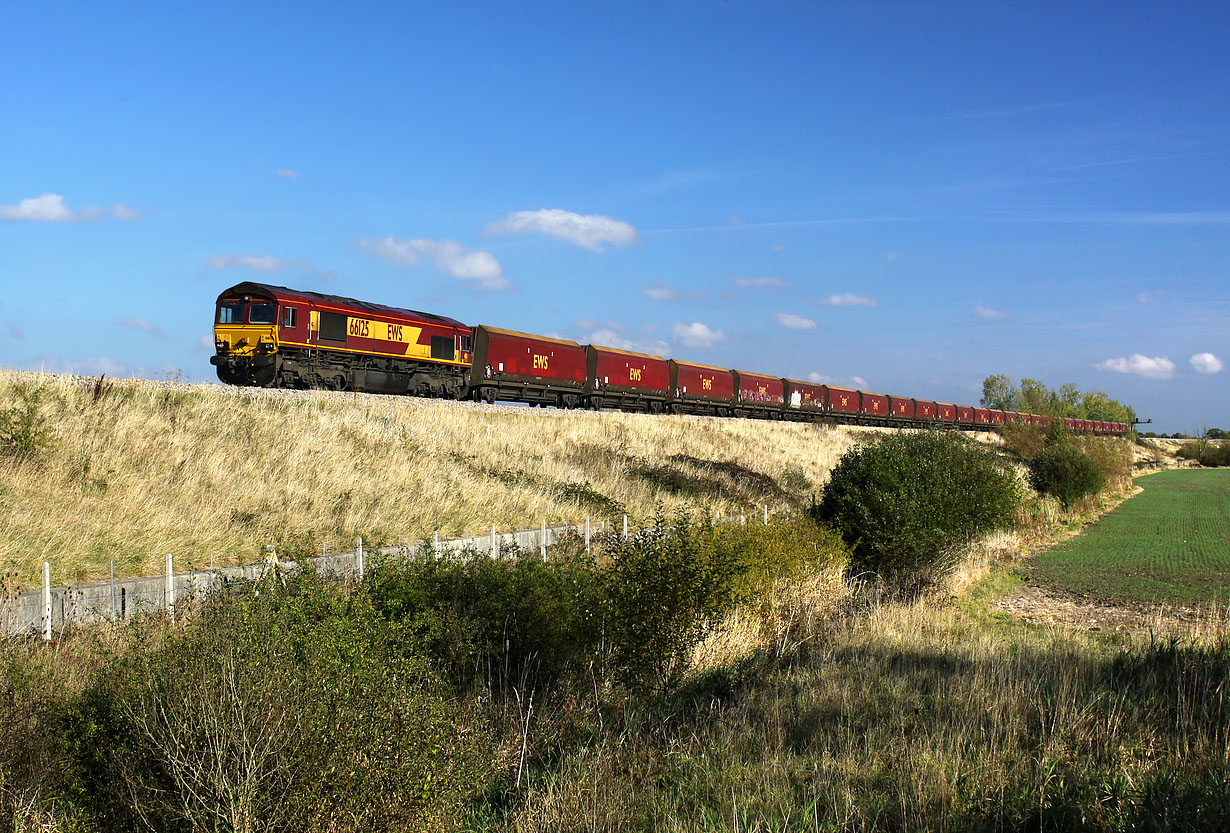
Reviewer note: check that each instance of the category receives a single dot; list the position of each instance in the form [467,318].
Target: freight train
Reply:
[271,336]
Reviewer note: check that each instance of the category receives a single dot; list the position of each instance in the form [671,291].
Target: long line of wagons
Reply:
[271,336]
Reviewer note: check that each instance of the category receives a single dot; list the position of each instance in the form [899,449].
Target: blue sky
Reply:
[910,195]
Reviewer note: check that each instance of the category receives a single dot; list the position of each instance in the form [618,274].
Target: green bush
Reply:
[1065,473]
[1206,453]
[24,433]
[288,710]
[903,503]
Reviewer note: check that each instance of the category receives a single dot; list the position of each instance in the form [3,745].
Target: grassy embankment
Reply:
[138,469]
[1171,543]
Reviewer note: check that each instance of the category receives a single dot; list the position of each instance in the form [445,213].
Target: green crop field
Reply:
[1171,544]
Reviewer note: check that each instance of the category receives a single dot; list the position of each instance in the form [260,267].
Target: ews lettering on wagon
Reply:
[706,384]
[634,374]
[540,362]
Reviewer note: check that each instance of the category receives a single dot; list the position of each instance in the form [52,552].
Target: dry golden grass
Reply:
[147,468]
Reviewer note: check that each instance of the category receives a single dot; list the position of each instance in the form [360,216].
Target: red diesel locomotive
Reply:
[271,336]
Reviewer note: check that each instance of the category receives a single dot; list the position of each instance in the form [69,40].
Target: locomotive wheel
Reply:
[489,395]
[595,403]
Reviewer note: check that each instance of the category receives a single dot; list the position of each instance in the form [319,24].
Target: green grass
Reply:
[1170,544]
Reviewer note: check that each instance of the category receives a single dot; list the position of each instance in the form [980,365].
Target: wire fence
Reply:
[52,610]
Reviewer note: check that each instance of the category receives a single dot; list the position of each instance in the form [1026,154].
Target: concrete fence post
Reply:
[435,542]
[743,520]
[625,527]
[360,557]
[542,540]
[46,600]
[766,514]
[170,595]
[587,534]
[212,575]
[113,590]
[495,544]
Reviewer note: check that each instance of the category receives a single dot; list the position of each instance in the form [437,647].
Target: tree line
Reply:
[1034,397]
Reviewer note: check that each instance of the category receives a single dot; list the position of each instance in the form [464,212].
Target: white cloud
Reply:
[761,283]
[265,263]
[846,299]
[286,173]
[1206,363]
[594,324]
[697,334]
[795,322]
[848,381]
[50,208]
[140,325]
[1151,368]
[257,263]
[661,293]
[988,313]
[589,231]
[614,337]
[480,269]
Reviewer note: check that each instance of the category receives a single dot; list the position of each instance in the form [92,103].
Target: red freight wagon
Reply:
[700,389]
[946,412]
[841,400]
[997,417]
[757,394]
[1041,420]
[902,407]
[982,416]
[924,409]
[875,404]
[622,379]
[521,367]
[1012,417]
[965,414]
[803,398]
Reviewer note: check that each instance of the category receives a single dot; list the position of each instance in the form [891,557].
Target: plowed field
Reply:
[1170,543]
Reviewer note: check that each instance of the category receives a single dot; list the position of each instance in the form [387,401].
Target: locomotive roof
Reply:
[282,292]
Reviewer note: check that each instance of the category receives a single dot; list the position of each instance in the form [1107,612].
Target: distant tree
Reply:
[1216,434]
[997,392]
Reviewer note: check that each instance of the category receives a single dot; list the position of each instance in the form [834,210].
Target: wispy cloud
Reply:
[589,231]
[266,263]
[761,283]
[683,179]
[51,208]
[257,263]
[1005,111]
[1149,297]
[794,322]
[1124,218]
[1158,367]
[140,325]
[479,269]
[697,334]
[614,335]
[845,299]
[286,173]
[661,293]
[840,381]
[735,222]
[988,313]
[1206,363]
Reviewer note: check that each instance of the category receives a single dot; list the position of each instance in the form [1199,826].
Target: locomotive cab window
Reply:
[230,312]
[290,317]
[261,313]
[465,343]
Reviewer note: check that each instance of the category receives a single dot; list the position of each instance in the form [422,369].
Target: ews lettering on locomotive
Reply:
[540,362]
[394,332]
[634,374]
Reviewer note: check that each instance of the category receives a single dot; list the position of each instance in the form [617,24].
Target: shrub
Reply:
[906,501]
[24,432]
[1206,453]
[1026,441]
[1065,473]
[288,710]
[1112,455]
